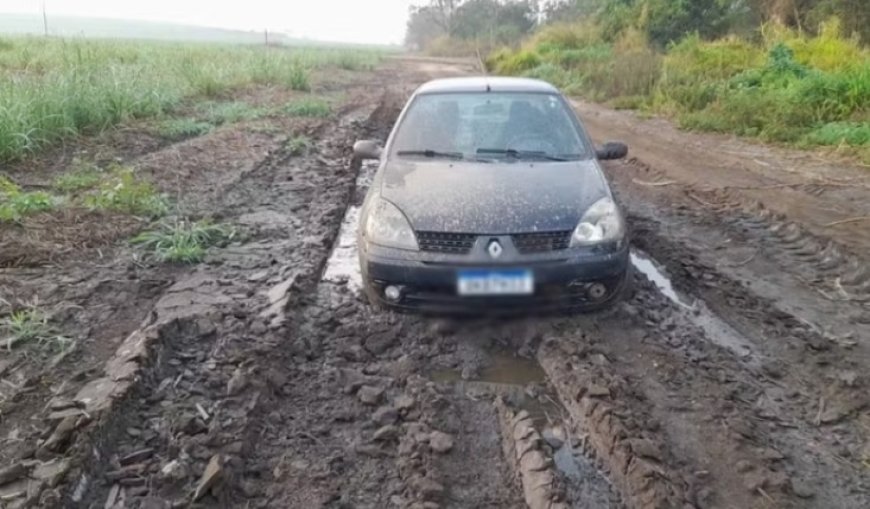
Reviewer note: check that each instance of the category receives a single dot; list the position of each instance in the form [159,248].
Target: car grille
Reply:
[542,242]
[453,243]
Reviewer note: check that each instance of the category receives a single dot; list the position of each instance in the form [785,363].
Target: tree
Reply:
[671,20]
[502,21]
[490,19]
[570,10]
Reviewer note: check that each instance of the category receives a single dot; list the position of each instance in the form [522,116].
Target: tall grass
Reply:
[786,86]
[54,88]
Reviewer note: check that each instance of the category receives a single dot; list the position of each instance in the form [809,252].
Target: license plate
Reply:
[495,282]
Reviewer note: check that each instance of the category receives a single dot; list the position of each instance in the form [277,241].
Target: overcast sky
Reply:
[363,21]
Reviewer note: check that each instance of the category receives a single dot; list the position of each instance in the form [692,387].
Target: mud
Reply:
[734,377]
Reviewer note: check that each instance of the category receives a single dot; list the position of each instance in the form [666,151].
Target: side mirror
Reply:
[612,150]
[367,149]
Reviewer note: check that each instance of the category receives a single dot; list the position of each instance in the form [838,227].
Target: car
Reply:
[489,196]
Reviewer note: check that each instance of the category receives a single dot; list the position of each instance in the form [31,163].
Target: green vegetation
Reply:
[308,108]
[51,89]
[121,191]
[183,241]
[181,128]
[298,145]
[15,203]
[786,87]
[218,113]
[117,189]
[31,325]
[80,177]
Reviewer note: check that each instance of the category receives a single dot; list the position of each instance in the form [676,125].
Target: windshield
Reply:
[489,125]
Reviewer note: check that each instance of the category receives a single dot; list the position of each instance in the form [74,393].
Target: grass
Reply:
[298,145]
[308,108]
[840,133]
[183,241]
[52,89]
[117,189]
[32,325]
[122,192]
[82,176]
[786,87]
[218,113]
[15,203]
[182,128]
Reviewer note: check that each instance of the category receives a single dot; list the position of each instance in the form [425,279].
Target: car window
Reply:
[489,125]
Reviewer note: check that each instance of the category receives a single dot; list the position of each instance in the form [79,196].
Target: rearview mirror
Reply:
[367,149]
[612,150]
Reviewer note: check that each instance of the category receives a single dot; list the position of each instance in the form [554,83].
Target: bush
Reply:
[517,63]
[792,87]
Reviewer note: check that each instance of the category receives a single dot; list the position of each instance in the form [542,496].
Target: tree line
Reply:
[504,22]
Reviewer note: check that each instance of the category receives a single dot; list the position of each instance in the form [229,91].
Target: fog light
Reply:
[597,291]
[393,293]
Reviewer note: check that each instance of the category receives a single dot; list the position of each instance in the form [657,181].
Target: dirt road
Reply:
[736,377]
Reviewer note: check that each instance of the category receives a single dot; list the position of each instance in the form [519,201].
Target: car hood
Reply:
[493,198]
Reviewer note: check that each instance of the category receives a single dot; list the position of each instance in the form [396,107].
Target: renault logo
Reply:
[494,249]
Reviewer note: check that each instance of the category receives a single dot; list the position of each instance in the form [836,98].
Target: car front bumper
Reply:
[563,281]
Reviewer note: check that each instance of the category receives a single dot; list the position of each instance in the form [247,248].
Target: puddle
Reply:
[343,263]
[521,382]
[503,368]
[716,329]
[649,269]
[510,377]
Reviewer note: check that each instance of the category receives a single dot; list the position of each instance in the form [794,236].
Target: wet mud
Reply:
[262,378]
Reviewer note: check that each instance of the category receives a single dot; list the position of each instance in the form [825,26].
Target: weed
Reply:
[308,108]
[181,128]
[81,177]
[31,325]
[183,241]
[229,112]
[840,133]
[297,78]
[298,145]
[123,192]
[15,203]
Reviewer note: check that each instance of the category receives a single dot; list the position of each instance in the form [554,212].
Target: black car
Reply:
[489,195]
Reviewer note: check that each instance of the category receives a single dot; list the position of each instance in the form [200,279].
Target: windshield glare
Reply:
[489,125]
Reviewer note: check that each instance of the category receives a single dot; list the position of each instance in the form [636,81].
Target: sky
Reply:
[360,21]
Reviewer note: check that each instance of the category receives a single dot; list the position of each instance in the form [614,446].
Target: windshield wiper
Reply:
[430,153]
[521,154]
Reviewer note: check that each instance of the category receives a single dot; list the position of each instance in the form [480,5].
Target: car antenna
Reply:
[488,87]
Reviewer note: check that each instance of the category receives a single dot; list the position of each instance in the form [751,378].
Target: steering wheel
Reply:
[532,143]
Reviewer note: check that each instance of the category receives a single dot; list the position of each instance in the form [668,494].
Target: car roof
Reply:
[486,84]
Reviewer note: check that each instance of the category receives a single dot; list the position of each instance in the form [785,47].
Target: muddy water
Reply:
[343,263]
[645,265]
[523,383]
[715,329]
[503,368]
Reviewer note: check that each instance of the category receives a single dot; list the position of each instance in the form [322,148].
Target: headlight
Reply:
[601,223]
[387,226]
